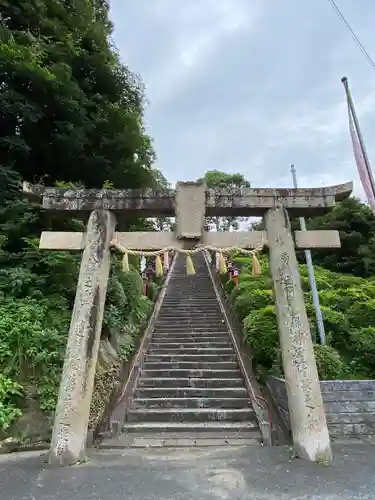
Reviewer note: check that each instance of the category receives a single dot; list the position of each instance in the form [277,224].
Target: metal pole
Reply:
[310,271]
[344,81]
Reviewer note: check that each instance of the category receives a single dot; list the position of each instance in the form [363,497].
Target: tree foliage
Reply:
[160,183]
[218,179]
[348,307]
[356,226]
[61,77]
[71,114]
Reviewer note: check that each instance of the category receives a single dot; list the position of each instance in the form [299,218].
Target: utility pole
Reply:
[310,270]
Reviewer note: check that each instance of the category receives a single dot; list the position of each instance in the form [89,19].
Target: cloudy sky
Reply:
[251,85]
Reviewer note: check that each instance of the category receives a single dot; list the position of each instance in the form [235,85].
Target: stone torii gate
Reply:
[191,202]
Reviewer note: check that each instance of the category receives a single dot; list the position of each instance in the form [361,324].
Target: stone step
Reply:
[198,357]
[190,312]
[190,365]
[201,330]
[188,414]
[189,341]
[163,402]
[140,441]
[184,302]
[190,295]
[190,392]
[167,347]
[192,320]
[170,382]
[192,374]
[202,335]
[182,282]
[189,315]
[200,289]
[177,311]
[190,328]
[182,440]
[214,427]
[183,322]
[192,338]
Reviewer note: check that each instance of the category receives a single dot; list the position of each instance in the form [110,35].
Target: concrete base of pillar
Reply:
[68,457]
[314,450]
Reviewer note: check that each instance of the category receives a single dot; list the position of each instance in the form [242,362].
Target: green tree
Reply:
[160,183]
[356,226]
[71,114]
[218,179]
[69,109]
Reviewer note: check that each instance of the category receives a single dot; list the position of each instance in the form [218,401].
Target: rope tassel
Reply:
[256,269]
[158,266]
[222,264]
[190,269]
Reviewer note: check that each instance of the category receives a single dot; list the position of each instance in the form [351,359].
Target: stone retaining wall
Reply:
[349,405]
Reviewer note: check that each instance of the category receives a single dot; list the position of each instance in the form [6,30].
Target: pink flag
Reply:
[364,175]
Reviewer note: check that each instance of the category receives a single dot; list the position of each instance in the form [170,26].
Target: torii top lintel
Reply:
[218,202]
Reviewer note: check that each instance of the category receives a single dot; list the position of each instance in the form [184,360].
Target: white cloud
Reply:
[251,86]
[194,33]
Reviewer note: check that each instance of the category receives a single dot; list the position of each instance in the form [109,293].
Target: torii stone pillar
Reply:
[68,444]
[306,409]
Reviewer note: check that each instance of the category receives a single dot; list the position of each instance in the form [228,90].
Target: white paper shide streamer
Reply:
[166,261]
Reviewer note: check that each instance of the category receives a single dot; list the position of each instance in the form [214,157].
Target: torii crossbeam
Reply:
[191,202]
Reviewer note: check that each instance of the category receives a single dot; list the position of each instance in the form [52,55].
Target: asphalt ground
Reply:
[198,474]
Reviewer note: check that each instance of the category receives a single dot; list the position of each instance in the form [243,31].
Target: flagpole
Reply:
[344,81]
[310,272]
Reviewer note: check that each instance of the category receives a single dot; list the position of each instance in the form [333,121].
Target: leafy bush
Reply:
[152,291]
[322,279]
[260,330]
[8,410]
[364,346]
[329,362]
[32,337]
[362,313]
[34,330]
[342,299]
[132,285]
[257,299]
[337,327]
[247,286]
[348,308]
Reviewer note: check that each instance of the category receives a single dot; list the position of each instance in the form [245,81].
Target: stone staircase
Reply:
[190,391]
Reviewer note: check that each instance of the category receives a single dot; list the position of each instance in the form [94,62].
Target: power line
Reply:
[354,36]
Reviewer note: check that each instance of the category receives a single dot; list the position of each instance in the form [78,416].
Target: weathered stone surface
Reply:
[306,240]
[72,411]
[219,202]
[54,240]
[146,203]
[306,410]
[190,210]
[349,405]
[255,202]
